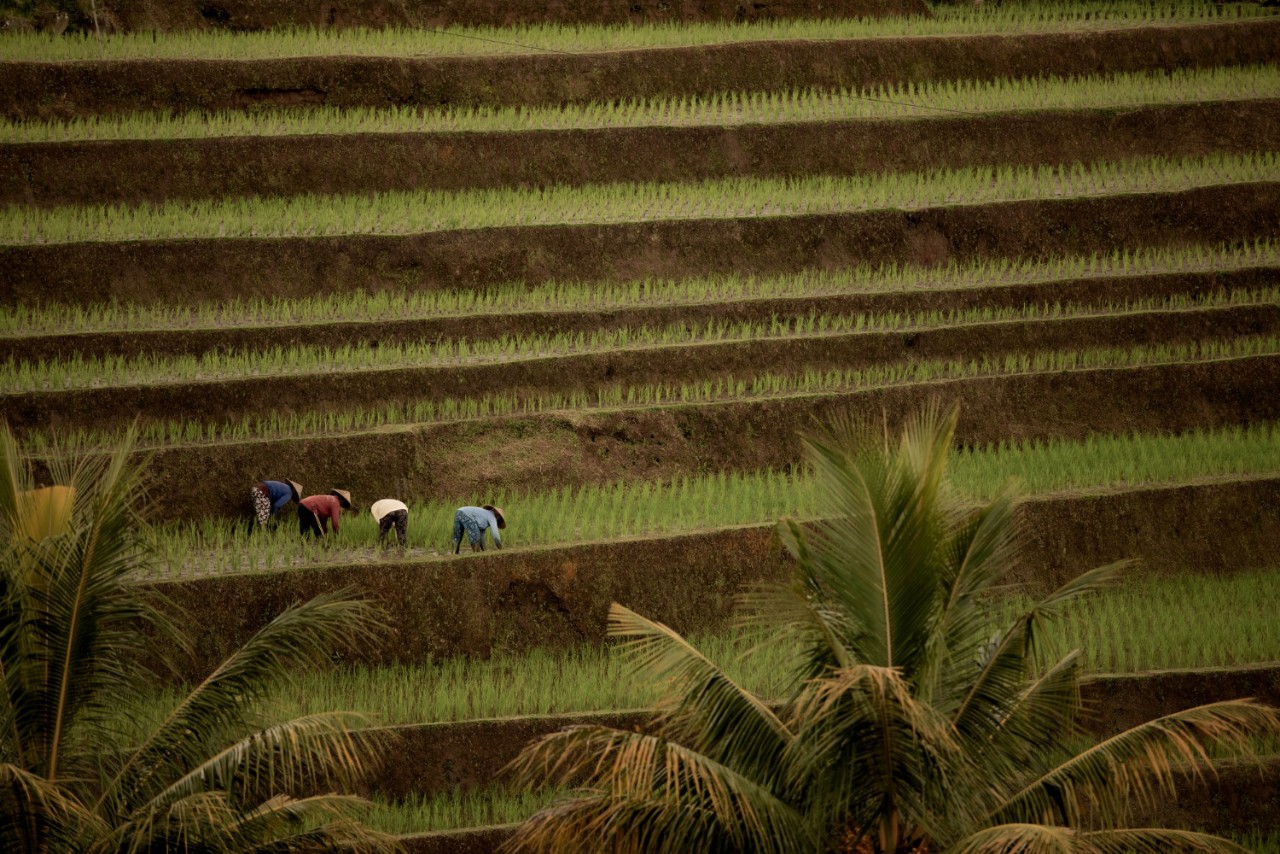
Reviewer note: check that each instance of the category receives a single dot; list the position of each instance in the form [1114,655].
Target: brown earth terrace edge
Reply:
[1242,799]
[559,597]
[137,171]
[33,89]
[433,759]
[210,269]
[1095,290]
[552,450]
[263,14]
[321,390]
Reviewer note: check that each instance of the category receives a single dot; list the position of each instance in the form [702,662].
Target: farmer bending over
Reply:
[315,513]
[475,521]
[390,512]
[270,496]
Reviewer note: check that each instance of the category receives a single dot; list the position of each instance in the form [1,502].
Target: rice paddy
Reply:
[399,213]
[947,20]
[1173,622]
[933,99]
[630,510]
[20,321]
[79,372]
[810,382]
[1181,623]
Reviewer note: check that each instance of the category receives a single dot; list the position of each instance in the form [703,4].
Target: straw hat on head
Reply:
[343,495]
[497,511]
[297,489]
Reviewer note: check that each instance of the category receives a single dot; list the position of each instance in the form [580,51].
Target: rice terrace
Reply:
[608,275]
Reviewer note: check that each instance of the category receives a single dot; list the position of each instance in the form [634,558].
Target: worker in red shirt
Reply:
[316,512]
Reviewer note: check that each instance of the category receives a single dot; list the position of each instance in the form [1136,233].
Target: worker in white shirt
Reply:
[390,512]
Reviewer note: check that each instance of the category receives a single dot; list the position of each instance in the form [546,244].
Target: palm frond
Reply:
[319,823]
[703,708]
[868,753]
[1049,839]
[643,792]
[301,636]
[1138,767]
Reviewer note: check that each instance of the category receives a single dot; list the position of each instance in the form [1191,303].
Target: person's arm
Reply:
[493,529]
[337,511]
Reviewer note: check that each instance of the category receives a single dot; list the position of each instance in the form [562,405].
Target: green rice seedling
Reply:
[934,99]
[570,515]
[957,19]
[812,382]
[1183,623]
[417,212]
[17,321]
[80,372]
[455,810]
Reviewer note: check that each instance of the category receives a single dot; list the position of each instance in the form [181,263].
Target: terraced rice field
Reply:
[601,275]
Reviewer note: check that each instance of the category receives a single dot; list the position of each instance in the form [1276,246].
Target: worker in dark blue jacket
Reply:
[270,496]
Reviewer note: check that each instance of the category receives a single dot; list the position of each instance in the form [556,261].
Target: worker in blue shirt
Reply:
[270,496]
[475,521]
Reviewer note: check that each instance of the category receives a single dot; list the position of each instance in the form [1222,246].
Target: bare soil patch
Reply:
[137,171]
[32,90]
[483,604]
[233,399]
[206,270]
[1093,291]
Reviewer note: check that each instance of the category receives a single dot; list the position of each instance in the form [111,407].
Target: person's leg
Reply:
[307,523]
[457,532]
[402,526]
[261,506]
[475,534]
[384,525]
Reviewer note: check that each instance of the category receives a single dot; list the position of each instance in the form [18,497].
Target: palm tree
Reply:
[910,726]
[82,769]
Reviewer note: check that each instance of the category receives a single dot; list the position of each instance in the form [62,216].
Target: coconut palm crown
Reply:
[915,723]
[80,768]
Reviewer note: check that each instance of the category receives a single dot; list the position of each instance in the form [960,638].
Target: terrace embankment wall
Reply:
[559,597]
[233,399]
[239,15]
[1079,292]
[550,451]
[433,759]
[136,171]
[183,271]
[1240,800]
[39,89]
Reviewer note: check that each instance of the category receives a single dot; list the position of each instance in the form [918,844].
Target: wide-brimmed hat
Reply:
[297,489]
[344,495]
[497,511]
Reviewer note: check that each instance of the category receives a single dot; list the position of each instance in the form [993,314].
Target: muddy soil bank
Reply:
[552,450]
[242,15]
[559,597]
[34,89]
[1087,291]
[234,399]
[206,270]
[433,759]
[138,171]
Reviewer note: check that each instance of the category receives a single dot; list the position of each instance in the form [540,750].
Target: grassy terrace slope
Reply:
[555,65]
[154,157]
